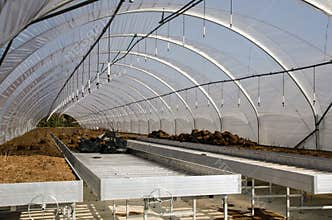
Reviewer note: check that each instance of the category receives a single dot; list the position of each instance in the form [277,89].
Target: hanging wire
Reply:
[238,97]
[326,37]
[283,90]
[145,48]
[83,79]
[89,81]
[69,91]
[183,29]
[222,94]
[167,19]
[259,92]
[72,90]
[231,14]
[168,36]
[77,86]
[208,100]
[217,82]
[85,55]
[97,83]
[186,97]
[138,51]
[156,45]
[204,19]
[314,85]
[109,55]
[109,44]
[196,99]
[249,59]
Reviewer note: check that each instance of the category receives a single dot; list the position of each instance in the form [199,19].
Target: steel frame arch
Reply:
[132,99]
[144,71]
[212,61]
[181,72]
[242,33]
[151,90]
[99,100]
[233,29]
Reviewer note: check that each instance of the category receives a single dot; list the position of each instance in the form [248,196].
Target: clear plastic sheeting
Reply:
[213,41]
[15,15]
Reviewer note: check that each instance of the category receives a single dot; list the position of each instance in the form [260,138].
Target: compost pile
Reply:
[225,138]
[109,142]
[33,157]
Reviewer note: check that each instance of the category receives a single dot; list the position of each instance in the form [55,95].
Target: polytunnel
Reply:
[261,69]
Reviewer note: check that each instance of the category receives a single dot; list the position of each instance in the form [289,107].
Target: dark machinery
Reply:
[109,143]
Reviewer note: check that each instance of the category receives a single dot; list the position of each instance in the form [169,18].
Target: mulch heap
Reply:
[225,138]
[33,157]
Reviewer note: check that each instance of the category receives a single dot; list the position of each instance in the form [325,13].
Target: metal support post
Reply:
[287,203]
[253,197]
[73,206]
[114,211]
[225,208]
[175,126]
[146,209]
[127,210]
[270,191]
[171,209]
[194,209]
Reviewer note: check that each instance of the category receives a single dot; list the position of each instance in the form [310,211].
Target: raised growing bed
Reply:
[32,166]
[300,160]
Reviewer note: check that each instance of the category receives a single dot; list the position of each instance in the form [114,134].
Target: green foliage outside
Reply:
[58,121]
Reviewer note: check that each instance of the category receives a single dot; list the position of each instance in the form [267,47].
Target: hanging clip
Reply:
[204,28]
[283,101]
[97,84]
[162,16]
[89,86]
[109,72]
[231,14]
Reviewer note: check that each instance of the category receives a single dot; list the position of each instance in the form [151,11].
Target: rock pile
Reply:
[225,138]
